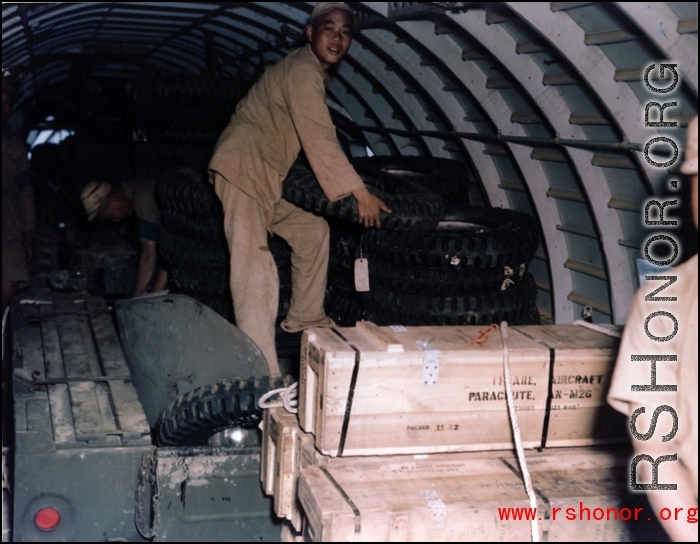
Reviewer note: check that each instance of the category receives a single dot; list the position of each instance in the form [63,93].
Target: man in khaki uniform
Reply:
[283,113]
[18,215]
[106,202]
[682,373]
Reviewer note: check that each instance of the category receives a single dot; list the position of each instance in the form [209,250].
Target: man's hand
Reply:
[369,208]
[27,245]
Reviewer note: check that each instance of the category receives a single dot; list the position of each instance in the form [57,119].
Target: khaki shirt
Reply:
[284,112]
[683,373]
[18,215]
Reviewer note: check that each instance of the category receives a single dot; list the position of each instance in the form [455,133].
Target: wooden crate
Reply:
[448,499]
[290,534]
[309,456]
[582,365]
[375,391]
[279,464]
[287,450]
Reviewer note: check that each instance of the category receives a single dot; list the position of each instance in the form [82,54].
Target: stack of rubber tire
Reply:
[427,265]
[178,120]
[192,242]
[415,209]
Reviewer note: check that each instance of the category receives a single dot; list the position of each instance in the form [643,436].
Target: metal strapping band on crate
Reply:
[550,389]
[351,394]
[550,396]
[351,503]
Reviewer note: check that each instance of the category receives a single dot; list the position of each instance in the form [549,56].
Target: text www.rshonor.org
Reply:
[584,513]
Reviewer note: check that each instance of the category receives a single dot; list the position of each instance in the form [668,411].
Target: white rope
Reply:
[288,398]
[534,528]
[598,328]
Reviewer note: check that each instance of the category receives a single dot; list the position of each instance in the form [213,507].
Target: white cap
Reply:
[322,8]
[93,195]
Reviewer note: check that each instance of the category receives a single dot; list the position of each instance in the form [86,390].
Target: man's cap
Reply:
[322,8]
[690,165]
[93,196]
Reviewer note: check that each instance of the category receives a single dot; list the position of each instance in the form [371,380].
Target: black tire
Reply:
[532,317]
[341,275]
[448,178]
[199,227]
[513,305]
[470,239]
[212,283]
[182,252]
[222,305]
[187,190]
[438,282]
[201,270]
[344,307]
[205,256]
[344,248]
[345,238]
[222,302]
[194,417]
[414,208]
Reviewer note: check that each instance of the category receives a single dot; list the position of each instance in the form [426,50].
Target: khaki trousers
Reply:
[254,279]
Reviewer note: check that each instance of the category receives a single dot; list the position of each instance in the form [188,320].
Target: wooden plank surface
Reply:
[267,455]
[395,409]
[450,498]
[583,364]
[79,355]
[311,358]
[69,306]
[91,411]
[130,415]
[65,343]
[53,358]
[569,337]
[28,349]
[362,503]
[280,465]
[61,415]
[96,305]
[38,415]
[47,310]
[110,349]
[306,455]
[31,312]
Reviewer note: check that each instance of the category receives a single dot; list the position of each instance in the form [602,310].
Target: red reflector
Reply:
[47,519]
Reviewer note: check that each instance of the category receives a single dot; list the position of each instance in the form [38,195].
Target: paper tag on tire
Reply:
[362,275]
